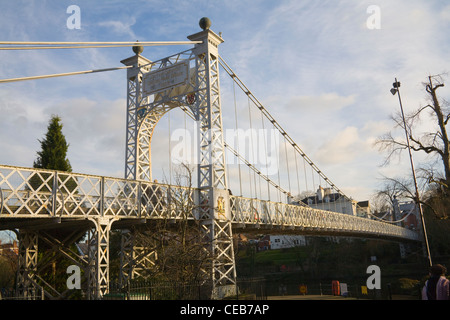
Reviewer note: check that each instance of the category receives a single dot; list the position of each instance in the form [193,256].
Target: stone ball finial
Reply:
[138,49]
[205,23]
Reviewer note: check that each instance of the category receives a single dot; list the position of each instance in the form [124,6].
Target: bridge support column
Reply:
[223,271]
[27,269]
[137,161]
[212,180]
[136,259]
[98,257]
[201,93]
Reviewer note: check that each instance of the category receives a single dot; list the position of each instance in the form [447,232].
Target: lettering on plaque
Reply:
[165,78]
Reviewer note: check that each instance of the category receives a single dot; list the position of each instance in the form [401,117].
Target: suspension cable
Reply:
[392,222]
[277,125]
[251,166]
[306,175]
[287,166]
[61,74]
[237,131]
[38,45]
[170,147]
[252,144]
[269,181]
[265,152]
[296,170]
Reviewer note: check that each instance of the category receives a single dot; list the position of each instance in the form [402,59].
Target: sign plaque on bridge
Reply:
[165,78]
[222,210]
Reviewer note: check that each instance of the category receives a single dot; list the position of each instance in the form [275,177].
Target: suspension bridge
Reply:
[231,189]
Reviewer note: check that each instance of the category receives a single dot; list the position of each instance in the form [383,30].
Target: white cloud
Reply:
[95,131]
[121,28]
[327,102]
[342,148]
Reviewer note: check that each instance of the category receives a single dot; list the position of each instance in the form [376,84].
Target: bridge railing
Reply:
[27,192]
[246,211]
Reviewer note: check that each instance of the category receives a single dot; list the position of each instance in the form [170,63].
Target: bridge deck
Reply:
[30,196]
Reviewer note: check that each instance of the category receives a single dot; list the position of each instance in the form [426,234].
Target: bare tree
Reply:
[393,189]
[177,237]
[435,142]
[382,201]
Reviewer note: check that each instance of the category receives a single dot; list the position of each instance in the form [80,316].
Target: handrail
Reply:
[62,201]
[1,200]
[116,193]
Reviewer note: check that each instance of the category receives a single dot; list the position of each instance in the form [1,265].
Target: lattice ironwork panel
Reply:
[27,267]
[121,198]
[253,211]
[26,192]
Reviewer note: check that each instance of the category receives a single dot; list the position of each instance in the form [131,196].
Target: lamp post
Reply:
[396,89]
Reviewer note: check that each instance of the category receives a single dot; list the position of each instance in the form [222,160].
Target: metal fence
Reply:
[355,289]
[248,289]
[158,290]
[12,294]
[33,193]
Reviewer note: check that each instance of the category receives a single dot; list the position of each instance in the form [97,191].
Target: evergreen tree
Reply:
[54,148]
[53,156]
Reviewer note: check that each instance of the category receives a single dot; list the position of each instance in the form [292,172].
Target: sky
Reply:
[322,68]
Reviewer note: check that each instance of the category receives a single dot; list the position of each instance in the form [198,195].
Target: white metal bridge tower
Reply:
[187,80]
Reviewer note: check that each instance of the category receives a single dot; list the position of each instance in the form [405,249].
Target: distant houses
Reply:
[273,242]
[405,213]
[9,248]
[286,241]
[325,199]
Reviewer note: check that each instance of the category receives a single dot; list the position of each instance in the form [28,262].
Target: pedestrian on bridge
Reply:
[437,286]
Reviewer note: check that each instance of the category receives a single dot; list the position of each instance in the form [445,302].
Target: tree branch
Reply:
[415,114]
[427,149]
[446,119]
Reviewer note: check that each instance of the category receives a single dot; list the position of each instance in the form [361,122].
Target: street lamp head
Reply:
[396,84]
[393,91]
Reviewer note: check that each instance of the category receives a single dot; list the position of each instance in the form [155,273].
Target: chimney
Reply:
[320,193]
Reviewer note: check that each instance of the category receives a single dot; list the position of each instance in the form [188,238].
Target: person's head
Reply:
[437,270]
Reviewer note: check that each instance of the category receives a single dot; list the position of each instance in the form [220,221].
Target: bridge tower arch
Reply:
[187,80]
